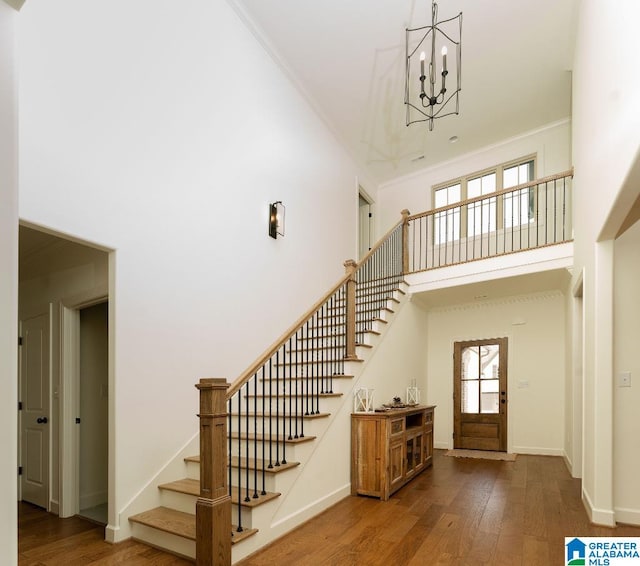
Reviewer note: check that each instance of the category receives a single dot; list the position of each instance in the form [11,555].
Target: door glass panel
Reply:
[470,396]
[480,379]
[489,396]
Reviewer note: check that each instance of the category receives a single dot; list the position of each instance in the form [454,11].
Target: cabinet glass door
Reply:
[410,455]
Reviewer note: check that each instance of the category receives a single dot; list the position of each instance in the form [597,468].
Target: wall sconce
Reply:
[276,219]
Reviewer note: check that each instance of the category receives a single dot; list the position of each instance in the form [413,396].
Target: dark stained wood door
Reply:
[480,394]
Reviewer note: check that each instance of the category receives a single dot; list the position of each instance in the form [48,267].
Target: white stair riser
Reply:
[187,504]
[161,539]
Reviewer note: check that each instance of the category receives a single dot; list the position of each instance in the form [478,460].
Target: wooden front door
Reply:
[480,394]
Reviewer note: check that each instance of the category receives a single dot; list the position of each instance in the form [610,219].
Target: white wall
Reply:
[400,358]
[8,287]
[163,130]
[551,144]
[605,145]
[534,326]
[626,400]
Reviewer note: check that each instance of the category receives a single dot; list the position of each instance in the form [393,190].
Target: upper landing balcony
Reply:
[515,232]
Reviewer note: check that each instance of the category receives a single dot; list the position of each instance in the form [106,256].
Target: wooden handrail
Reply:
[462,203]
[378,244]
[271,350]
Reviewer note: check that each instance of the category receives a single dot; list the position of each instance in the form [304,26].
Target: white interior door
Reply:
[34,395]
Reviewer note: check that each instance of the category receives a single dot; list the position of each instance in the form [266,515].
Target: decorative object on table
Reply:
[395,404]
[363,400]
[413,394]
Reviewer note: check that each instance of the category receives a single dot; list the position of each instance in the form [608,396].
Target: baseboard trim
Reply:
[114,534]
[313,509]
[602,517]
[627,516]
[537,451]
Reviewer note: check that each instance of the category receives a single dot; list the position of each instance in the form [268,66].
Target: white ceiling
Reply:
[347,56]
[496,289]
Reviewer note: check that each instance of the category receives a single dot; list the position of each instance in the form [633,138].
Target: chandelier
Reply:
[426,95]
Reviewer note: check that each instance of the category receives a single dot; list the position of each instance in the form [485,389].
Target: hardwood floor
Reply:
[461,512]
[46,540]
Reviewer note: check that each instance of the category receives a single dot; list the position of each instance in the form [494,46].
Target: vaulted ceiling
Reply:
[348,57]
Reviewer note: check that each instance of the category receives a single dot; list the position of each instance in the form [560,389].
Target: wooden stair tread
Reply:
[253,464]
[303,377]
[273,415]
[252,436]
[180,524]
[169,521]
[190,486]
[281,396]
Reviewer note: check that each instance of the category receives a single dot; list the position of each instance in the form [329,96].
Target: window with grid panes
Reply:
[486,215]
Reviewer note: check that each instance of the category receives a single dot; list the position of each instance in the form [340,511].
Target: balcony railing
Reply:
[520,218]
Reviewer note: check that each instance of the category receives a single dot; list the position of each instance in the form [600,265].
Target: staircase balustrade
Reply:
[528,216]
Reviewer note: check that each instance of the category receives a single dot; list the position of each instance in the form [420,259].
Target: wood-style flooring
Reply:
[463,511]
[460,512]
[46,540]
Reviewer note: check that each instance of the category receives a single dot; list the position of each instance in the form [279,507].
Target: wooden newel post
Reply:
[350,269]
[213,507]
[405,241]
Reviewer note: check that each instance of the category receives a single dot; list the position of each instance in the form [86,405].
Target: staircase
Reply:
[278,413]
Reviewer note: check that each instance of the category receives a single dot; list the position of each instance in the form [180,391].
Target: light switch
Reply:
[624,379]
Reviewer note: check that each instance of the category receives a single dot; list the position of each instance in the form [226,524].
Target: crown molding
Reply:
[513,300]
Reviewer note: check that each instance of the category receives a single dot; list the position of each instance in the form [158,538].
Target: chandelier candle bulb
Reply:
[444,59]
[422,58]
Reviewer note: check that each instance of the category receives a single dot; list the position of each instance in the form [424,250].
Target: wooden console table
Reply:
[389,448]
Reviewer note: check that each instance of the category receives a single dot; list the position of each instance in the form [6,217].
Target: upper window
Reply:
[489,214]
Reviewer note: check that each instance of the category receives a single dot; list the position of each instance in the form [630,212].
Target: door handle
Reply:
[42,420]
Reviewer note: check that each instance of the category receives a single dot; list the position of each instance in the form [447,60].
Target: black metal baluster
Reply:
[255,436]
[555,210]
[290,388]
[277,408]
[564,207]
[537,208]
[314,368]
[230,441]
[306,373]
[271,412]
[284,404]
[264,435]
[240,529]
[246,428]
[297,336]
[546,214]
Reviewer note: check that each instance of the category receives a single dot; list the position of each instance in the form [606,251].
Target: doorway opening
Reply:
[365,223]
[480,394]
[64,288]
[93,394]
[577,413]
